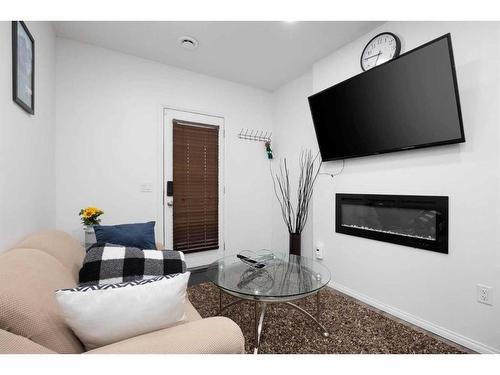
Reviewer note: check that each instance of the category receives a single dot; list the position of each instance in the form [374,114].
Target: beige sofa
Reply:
[29,315]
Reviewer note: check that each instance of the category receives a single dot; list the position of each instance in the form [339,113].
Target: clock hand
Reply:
[371,57]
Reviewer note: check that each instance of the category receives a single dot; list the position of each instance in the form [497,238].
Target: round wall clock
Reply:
[380,49]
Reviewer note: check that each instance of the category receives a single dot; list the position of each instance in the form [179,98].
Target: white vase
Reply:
[89,235]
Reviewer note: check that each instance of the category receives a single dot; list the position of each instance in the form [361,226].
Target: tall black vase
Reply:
[295,243]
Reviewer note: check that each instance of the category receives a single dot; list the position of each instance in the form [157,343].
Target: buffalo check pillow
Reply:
[111,264]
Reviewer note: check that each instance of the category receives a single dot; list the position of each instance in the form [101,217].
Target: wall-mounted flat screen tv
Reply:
[409,102]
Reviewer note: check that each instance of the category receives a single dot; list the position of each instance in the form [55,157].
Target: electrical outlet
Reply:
[319,252]
[484,294]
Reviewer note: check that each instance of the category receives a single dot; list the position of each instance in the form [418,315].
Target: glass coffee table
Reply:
[283,279]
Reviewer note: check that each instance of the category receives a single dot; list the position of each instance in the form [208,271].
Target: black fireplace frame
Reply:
[438,203]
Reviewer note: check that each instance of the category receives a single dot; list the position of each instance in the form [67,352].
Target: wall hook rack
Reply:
[255,135]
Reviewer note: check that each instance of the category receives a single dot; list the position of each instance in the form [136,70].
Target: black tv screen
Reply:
[409,102]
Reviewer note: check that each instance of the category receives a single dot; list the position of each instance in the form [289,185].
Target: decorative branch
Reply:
[296,219]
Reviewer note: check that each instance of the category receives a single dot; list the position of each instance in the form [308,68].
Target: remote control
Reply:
[250,260]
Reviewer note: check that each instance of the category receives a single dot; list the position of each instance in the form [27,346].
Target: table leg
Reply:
[259,322]
[235,302]
[324,333]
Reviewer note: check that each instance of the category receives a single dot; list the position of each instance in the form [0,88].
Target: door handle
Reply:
[170,204]
[170,188]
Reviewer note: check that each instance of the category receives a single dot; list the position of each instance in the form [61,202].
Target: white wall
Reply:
[293,132]
[433,290]
[27,182]
[109,140]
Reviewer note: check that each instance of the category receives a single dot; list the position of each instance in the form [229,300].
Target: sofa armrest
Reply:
[216,335]
[10,343]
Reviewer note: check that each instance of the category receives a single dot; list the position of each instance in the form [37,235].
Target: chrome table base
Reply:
[259,318]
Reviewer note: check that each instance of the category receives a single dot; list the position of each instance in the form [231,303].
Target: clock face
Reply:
[380,49]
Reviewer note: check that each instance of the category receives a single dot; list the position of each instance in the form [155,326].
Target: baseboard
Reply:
[443,332]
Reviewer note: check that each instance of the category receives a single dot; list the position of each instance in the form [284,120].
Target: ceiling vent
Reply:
[188,42]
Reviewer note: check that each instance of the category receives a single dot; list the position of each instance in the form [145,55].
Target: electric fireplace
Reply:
[410,220]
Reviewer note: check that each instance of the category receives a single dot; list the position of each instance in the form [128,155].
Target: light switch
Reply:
[146,187]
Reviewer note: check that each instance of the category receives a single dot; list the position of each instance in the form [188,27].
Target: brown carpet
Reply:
[353,327]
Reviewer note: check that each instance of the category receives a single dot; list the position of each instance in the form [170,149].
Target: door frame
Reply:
[204,257]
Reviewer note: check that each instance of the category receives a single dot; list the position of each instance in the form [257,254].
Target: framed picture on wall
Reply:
[23,67]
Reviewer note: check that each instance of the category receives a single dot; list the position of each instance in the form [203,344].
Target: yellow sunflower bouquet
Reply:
[90,215]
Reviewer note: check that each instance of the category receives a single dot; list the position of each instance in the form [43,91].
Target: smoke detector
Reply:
[188,42]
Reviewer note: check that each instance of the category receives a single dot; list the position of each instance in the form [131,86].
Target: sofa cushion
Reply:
[111,264]
[28,307]
[140,235]
[215,335]
[15,344]
[58,244]
[104,314]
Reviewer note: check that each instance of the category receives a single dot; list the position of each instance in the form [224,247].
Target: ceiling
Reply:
[265,55]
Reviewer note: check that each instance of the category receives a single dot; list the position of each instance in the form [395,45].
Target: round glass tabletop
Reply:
[282,276]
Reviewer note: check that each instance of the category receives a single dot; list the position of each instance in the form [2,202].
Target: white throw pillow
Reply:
[103,314]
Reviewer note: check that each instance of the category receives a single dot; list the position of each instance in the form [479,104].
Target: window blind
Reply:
[196,186]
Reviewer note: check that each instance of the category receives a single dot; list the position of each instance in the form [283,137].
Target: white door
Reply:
[186,118]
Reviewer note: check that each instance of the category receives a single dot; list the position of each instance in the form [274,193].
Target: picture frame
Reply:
[23,67]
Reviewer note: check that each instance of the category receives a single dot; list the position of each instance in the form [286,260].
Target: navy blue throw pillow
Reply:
[141,235]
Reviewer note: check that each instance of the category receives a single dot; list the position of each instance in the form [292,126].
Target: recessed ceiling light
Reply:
[188,42]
